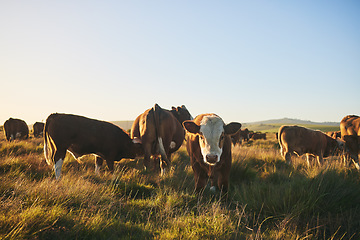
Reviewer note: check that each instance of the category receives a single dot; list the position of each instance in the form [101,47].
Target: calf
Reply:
[208,144]
[161,133]
[300,140]
[15,129]
[242,134]
[81,136]
[38,129]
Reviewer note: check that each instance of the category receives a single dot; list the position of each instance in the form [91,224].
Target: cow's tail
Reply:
[157,114]
[49,146]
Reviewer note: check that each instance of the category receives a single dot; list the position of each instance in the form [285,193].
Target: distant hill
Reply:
[294,121]
[274,124]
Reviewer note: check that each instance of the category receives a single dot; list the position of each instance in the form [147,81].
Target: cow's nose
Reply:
[211,158]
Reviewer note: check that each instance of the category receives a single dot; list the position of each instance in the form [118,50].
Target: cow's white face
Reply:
[211,132]
[211,139]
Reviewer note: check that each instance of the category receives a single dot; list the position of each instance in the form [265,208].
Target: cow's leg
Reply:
[110,164]
[98,163]
[200,177]
[308,160]
[59,157]
[287,157]
[320,160]
[223,183]
[147,156]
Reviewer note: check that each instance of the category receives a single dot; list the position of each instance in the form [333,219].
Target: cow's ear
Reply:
[191,127]
[232,128]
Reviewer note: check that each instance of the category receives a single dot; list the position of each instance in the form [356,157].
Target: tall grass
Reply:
[268,199]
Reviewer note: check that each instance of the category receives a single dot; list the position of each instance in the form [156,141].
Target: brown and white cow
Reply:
[208,142]
[242,134]
[350,133]
[38,129]
[161,133]
[16,129]
[81,136]
[313,143]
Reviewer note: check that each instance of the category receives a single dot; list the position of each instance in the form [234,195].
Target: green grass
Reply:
[267,199]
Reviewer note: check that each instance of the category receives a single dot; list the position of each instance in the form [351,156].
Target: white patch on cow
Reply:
[213,189]
[11,137]
[57,168]
[211,128]
[172,144]
[17,135]
[161,146]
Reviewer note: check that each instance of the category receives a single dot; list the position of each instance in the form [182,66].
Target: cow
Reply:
[38,129]
[81,136]
[334,134]
[208,143]
[301,140]
[258,135]
[161,133]
[242,134]
[350,133]
[15,129]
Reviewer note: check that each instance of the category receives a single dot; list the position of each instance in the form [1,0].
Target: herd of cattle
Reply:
[157,133]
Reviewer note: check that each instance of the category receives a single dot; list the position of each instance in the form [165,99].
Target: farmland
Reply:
[268,199]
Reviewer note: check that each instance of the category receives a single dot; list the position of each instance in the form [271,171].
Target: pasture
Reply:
[267,199]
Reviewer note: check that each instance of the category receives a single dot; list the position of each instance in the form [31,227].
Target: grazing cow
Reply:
[350,133]
[161,133]
[313,143]
[15,129]
[81,136]
[257,136]
[208,142]
[38,128]
[242,134]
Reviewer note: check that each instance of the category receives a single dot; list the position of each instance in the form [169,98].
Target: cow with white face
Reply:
[209,148]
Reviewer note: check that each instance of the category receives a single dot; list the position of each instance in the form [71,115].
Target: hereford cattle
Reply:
[81,136]
[350,133]
[15,129]
[242,134]
[258,135]
[334,134]
[38,129]
[161,133]
[208,143]
[300,140]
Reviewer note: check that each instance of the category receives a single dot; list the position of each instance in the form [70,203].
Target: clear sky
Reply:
[243,60]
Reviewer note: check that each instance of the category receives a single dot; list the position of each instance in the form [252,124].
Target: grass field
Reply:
[268,199]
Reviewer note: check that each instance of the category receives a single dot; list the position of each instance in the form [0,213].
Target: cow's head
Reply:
[211,133]
[352,145]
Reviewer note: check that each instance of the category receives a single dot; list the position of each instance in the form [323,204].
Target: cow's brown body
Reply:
[82,136]
[16,129]
[350,133]
[300,140]
[161,133]
[241,135]
[38,129]
[258,135]
[216,168]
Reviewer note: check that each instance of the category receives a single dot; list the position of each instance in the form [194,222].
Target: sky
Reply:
[243,60]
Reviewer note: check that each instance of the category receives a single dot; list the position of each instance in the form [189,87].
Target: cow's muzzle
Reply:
[212,159]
